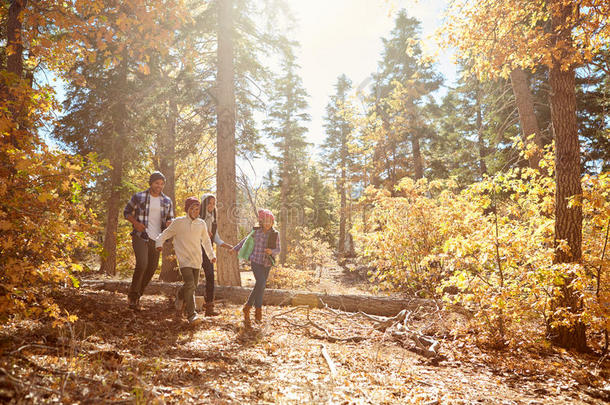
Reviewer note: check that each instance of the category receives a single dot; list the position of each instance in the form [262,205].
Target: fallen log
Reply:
[384,306]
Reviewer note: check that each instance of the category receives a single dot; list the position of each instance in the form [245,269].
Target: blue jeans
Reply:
[261,273]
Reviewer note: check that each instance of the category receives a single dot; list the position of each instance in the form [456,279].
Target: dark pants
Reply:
[147,260]
[208,270]
[190,276]
[261,273]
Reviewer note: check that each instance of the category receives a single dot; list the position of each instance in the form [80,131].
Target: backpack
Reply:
[246,249]
[248,246]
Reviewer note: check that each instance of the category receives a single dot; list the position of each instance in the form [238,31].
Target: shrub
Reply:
[43,217]
[493,243]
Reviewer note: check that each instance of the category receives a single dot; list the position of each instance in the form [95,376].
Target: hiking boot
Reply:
[258,315]
[195,320]
[247,322]
[209,309]
[132,303]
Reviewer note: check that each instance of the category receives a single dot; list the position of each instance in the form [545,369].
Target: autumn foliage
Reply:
[490,249]
[43,216]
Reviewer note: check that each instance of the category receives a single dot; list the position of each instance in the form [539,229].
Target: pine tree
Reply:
[593,99]
[404,130]
[321,205]
[96,121]
[336,149]
[228,273]
[284,124]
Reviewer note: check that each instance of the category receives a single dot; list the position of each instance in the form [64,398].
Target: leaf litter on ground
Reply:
[153,356]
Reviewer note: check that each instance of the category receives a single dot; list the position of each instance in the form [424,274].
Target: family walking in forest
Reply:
[151,214]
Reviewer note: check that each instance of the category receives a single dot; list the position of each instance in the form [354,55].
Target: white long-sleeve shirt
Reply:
[189,236]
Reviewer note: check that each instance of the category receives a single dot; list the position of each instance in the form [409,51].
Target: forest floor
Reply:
[113,355]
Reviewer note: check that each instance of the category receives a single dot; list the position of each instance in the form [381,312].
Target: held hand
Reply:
[140,227]
[168,223]
[160,248]
[213,260]
[268,251]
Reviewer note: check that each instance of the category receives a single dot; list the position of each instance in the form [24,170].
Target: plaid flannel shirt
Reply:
[258,255]
[138,207]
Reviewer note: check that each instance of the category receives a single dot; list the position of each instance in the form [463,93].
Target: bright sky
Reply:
[344,36]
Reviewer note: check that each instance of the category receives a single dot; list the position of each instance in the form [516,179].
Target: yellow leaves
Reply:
[40,224]
[517,36]
[45,196]
[412,44]
[71,318]
[427,227]
[143,68]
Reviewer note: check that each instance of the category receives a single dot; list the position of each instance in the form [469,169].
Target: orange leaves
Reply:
[42,217]
[94,30]
[503,35]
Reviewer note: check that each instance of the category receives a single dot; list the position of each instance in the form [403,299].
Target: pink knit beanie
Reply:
[262,214]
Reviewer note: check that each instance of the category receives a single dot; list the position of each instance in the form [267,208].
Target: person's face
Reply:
[194,210]
[211,204]
[267,223]
[157,186]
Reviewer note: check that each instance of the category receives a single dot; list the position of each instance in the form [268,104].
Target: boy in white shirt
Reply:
[190,233]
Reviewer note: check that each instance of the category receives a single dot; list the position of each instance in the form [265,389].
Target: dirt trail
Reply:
[114,354]
[333,279]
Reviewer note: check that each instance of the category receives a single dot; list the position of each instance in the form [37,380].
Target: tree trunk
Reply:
[14,28]
[342,211]
[108,263]
[350,250]
[527,115]
[167,166]
[284,210]
[119,117]
[418,164]
[228,269]
[568,220]
[480,139]
[14,61]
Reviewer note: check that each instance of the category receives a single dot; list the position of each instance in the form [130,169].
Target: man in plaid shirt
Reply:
[150,212]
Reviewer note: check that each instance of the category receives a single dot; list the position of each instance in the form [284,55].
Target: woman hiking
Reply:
[208,214]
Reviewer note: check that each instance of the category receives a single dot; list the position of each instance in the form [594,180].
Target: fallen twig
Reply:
[330,337]
[329,361]
[18,382]
[34,346]
[62,373]
[289,311]
[15,380]
[288,321]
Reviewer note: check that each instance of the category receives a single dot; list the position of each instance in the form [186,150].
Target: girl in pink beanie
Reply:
[266,248]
